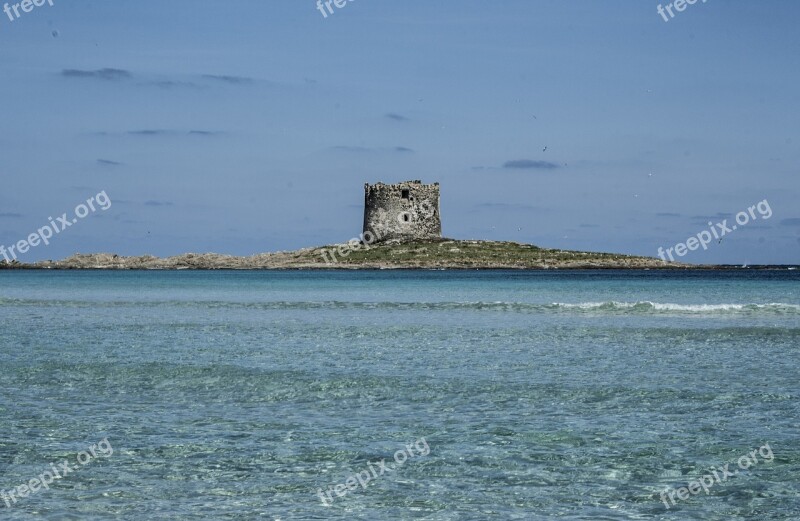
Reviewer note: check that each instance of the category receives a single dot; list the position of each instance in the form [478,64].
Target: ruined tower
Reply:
[403,211]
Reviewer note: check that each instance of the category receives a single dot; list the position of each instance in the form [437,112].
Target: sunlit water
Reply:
[238,395]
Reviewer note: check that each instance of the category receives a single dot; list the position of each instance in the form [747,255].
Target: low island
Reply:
[415,254]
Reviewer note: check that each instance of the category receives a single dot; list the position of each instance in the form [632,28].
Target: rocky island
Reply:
[415,254]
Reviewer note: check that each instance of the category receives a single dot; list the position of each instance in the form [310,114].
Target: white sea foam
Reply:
[681,308]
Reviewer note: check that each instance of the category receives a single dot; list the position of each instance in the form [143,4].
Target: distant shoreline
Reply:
[693,267]
[444,254]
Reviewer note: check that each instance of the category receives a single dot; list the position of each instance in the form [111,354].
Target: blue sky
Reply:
[249,126]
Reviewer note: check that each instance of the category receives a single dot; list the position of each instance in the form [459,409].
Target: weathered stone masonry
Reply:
[403,211]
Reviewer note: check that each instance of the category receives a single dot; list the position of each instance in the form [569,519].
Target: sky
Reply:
[248,126]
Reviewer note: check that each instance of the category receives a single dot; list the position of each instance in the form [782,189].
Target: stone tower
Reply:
[403,211]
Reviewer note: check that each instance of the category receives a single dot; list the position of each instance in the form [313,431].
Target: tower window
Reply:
[405,194]
[405,217]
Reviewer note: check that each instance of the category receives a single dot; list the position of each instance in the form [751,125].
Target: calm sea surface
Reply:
[544,395]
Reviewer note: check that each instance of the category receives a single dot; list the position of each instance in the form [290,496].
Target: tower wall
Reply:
[403,211]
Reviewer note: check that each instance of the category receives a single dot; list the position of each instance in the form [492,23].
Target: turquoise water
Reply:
[239,395]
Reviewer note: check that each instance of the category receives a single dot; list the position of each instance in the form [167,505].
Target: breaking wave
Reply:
[595,308]
[655,307]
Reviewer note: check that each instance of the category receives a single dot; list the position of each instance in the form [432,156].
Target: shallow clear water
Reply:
[238,395]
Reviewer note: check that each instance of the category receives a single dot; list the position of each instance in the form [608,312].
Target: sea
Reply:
[393,394]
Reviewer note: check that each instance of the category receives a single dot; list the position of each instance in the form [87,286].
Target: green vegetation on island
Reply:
[414,254]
